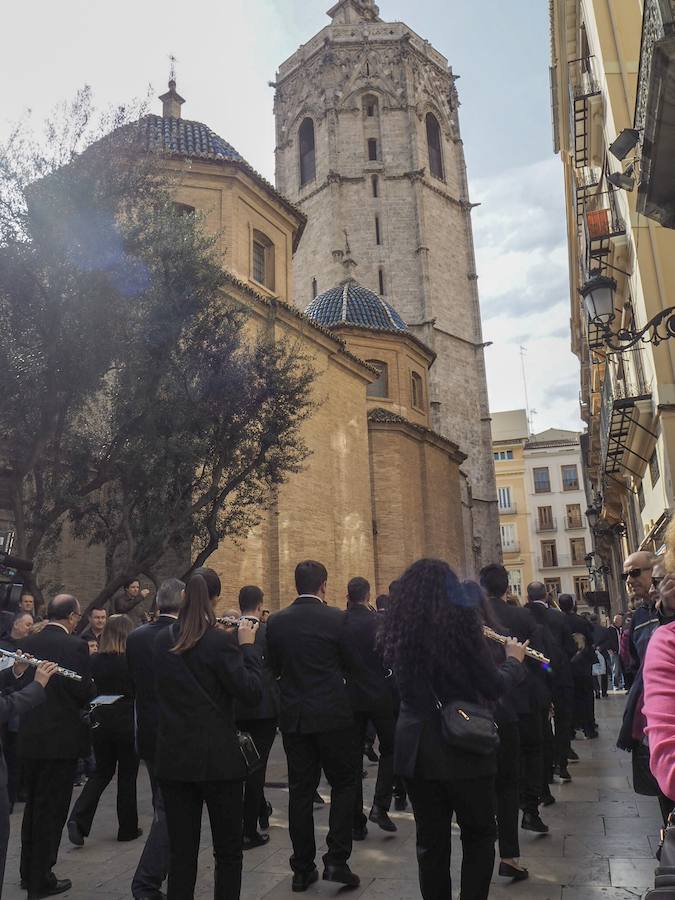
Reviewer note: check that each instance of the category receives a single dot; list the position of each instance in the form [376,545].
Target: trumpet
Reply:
[529,651]
[31,661]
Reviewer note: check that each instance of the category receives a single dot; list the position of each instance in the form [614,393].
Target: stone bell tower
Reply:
[368,141]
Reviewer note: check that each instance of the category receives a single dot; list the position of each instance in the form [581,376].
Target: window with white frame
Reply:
[509,538]
[516,582]
[504,498]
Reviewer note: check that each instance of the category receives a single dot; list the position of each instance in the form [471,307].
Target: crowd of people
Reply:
[464,725]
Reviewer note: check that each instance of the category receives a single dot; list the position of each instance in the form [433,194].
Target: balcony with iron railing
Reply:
[561,561]
[625,421]
[511,547]
[509,510]
[583,88]
[601,222]
[6,541]
[574,523]
[543,527]
[655,112]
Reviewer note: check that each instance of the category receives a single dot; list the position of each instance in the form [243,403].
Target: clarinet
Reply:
[529,651]
[31,661]
[232,622]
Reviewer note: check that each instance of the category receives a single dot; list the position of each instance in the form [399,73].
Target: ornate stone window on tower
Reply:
[379,388]
[417,390]
[435,148]
[371,106]
[307,152]
[373,154]
[262,260]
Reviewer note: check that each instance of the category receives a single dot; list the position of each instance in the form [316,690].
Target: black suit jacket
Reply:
[55,730]
[140,660]
[268,708]
[560,646]
[15,703]
[516,622]
[308,651]
[368,688]
[196,690]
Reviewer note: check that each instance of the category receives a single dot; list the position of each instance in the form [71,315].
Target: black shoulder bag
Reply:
[664,880]
[468,727]
[247,746]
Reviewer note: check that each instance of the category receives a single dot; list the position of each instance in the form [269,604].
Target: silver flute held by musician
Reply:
[31,661]
[529,651]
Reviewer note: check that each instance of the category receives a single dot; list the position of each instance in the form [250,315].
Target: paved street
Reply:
[601,843]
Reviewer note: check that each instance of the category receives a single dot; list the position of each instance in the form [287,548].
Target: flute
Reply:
[232,622]
[31,661]
[529,651]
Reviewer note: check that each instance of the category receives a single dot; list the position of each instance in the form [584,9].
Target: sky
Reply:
[227,52]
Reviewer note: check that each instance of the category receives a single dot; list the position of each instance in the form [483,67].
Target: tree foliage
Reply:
[137,404]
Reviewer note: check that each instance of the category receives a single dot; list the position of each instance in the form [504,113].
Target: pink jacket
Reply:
[659,706]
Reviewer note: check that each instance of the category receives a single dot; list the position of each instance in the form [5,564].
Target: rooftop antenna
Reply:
[530,413]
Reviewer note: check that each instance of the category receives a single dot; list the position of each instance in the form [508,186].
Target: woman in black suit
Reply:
[112,738]
[200,672]
[432,639]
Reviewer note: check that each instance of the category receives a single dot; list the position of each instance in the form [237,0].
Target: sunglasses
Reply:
[633,573]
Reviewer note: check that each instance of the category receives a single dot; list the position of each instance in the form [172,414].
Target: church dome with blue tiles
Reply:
[352,304]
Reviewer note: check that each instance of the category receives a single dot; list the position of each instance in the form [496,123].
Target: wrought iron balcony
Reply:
[511,547]
[6,541]
[508,510]
[583,86]
[573,524]
[625,417]
[655,112]
[543,527]
[561,561]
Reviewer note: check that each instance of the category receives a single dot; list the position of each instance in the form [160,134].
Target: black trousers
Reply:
[4,819]
[563,706]
[508,790]
[307,754]
[263,732]
[113,750]
[183,802]
[584,715]
[531,729]
[153,866]
[49,787]
[383,721]
[434,802]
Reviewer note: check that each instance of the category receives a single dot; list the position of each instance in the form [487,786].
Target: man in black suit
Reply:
[371,700]
[560,648]
[309,654]
[51,739]
[153,865]
[582,670]
[259,721]
[518,716]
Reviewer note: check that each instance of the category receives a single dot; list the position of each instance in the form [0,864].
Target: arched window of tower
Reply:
[434,145]
[307,151]
[417,390]
[371,107]
[372,150]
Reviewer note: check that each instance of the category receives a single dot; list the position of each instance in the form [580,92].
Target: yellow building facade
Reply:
[602,54]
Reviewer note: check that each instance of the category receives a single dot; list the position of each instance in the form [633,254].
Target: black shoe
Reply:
[264,817]
[318,799]
[370,754]
[58,886]
[400,804]
[75,836]
[342,875]
[532,822]
[591,735]
[131,837]
[360,834]
[572,756]
[156,896]
[256,840]
[563,774]
[506,870]
[547,799]
[381,818]
[302,880]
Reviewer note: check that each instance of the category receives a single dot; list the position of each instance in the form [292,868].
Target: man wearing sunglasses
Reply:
[638,572]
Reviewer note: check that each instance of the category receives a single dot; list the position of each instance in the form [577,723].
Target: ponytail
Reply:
[196,615]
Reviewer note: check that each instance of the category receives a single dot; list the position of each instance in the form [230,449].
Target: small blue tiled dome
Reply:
[184,137]
[351,304]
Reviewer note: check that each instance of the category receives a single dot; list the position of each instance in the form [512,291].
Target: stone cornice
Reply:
[384,420]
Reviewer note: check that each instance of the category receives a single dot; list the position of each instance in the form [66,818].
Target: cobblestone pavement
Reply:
[601,844]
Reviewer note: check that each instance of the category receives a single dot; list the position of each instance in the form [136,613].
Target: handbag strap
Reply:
[195,680]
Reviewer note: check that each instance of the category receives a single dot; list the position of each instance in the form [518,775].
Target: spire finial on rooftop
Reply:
[172,100]
[347,261]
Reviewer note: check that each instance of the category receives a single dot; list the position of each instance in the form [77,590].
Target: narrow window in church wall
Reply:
[307,152]
[417,390]
[380,274]
[434,146]
[376,186]
[372,150]
[379,388]
[315,289]
[378,236]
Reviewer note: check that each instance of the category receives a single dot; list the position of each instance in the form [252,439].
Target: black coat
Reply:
[111,675]
[55,729]
[196,690]
[559,643]
[268,708]
[308,651]
[140,660]
[419,748]
[534,691]
[369,687]
[15,703]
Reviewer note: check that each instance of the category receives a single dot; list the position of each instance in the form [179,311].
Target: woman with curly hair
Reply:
[433,641]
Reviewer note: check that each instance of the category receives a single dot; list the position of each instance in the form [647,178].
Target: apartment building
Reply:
[542,505]
[611,67]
